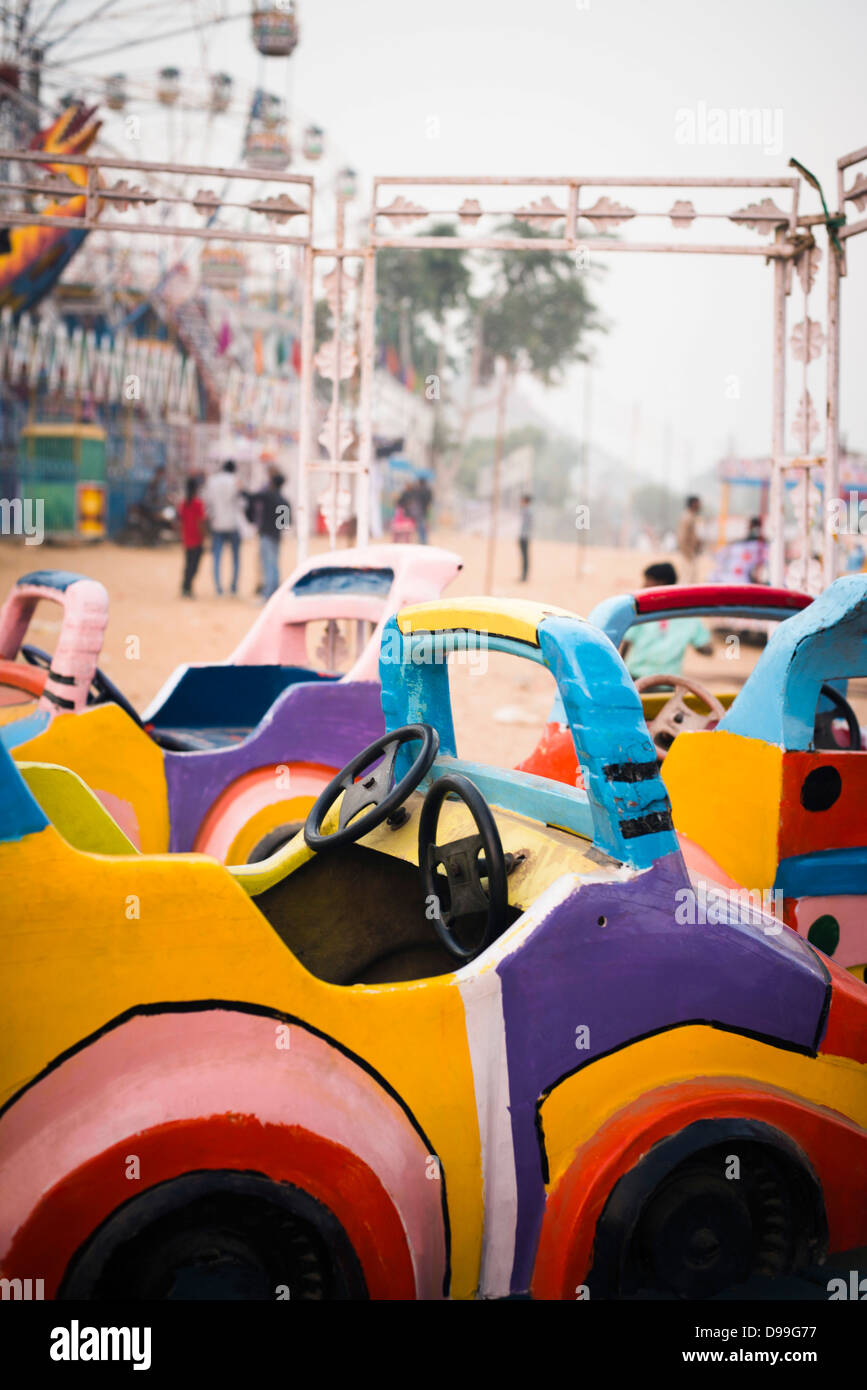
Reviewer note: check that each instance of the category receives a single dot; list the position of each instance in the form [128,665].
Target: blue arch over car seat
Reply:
[625,809]
[20,812]
[826,642]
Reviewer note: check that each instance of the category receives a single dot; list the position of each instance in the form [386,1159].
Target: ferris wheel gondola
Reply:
[115,91]
[169,86]
[274,29]
[314,142]
[221,92]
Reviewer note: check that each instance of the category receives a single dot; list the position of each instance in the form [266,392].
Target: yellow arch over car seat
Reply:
[512,617]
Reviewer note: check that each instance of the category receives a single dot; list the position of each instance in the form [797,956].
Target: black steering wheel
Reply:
[464,869]
[102,690]
[823,731]
[374,790]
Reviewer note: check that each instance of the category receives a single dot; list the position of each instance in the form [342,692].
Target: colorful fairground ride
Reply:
[189,319]
[742,554]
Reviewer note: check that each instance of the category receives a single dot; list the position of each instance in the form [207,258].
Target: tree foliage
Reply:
[416,293]
[538,313]
[535,308]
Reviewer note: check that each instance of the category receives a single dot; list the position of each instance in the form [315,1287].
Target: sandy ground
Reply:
[498,712]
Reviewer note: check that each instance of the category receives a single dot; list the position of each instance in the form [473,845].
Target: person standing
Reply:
[649,648]
[222,503]
[424,499]
[688,538]
[273,516]
[193,524]
[407,505]
[525,534]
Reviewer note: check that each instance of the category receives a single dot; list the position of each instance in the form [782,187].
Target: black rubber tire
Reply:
[274,840]
[699,1232]
[217,1235]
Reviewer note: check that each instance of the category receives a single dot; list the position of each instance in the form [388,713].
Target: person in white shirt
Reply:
[223,506]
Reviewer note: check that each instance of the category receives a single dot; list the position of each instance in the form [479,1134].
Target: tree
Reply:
[538,313]
[527,310]
[417,292]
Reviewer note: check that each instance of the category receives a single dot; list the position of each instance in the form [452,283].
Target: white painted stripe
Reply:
[486,1033]
[482,996]
[165,691]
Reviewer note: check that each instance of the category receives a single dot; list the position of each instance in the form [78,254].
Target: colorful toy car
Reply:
[227,752]
[453,1041]
[690,705]
[68,684]
[776,794]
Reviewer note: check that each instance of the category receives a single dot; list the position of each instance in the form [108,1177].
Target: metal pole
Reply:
[333,522]
[585,457]
[305,433]
[832,428]
[365,434]
[777,555]
[499,447]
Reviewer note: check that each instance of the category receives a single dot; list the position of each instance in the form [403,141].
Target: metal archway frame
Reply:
[563,206]
[793,246]
[838,237]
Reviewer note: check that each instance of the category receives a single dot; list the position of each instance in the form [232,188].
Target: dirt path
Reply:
[498,715]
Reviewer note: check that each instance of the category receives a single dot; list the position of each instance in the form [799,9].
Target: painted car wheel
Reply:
[709,1225]
[218,1235]
[252,808]
[274,840]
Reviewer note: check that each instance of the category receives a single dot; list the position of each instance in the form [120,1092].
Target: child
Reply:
[192,514]
[659,647]
[402,526]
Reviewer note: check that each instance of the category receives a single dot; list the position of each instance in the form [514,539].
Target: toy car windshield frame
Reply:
[616,615]
[625,810]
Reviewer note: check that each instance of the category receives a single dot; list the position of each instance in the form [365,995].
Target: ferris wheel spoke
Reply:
[98,13]
[120,47]
[53,9]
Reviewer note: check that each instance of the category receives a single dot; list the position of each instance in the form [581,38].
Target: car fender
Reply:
[256,803]
[174,1089]
[834,1150]
[320,724]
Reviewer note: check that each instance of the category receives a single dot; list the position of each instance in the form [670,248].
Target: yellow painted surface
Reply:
[112,754]
[86,937]
[263,822]
[725,795]
[74,811]
[517,618]
[548,853]
[653,703]
[582,1103]
[9,713]
[63,431]
[256,878]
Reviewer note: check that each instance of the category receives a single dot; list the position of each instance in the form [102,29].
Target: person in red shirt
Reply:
[192,514]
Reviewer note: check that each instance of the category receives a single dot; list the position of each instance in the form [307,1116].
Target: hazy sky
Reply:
[594,87]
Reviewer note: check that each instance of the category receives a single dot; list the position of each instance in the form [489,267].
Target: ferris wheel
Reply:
[57,53]
[92,56]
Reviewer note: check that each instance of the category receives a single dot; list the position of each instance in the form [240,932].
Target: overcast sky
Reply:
[594,87]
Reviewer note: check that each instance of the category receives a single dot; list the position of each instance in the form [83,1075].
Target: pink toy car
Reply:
[246,744]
